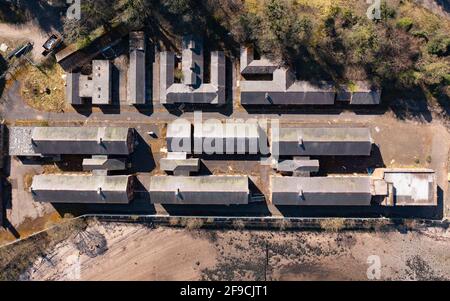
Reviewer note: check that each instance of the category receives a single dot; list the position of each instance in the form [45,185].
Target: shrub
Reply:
[83,42]
[283,224]
[173,221]
[332,224]
[193,223]
[238,224]
[435,73]
[387,12]
[440,46]
[28,180]
[405,23]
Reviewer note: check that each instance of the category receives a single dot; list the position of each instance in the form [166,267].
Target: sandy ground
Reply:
[29,31]
[134,252]
[137,253]
[22,205]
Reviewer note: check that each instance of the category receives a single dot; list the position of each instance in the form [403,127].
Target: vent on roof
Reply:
[178,194]
[301,196]
[100,134]
[100,193]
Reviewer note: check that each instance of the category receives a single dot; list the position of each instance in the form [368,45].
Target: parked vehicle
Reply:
[53,42]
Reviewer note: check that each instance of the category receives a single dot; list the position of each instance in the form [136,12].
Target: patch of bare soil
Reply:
[125,252]
[114,251]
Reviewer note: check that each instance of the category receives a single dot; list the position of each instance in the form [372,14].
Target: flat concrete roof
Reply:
[102,82]
[412,188]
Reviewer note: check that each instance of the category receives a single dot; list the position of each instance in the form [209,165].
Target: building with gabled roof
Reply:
[37,141]
[322,191]
[321,142]
[201,190]
[136,71]
[95,189]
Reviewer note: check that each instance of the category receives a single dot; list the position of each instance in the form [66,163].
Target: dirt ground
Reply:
[136,252]
[33,33]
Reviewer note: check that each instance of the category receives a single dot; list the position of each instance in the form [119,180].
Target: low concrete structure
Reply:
[38,141]
[104,163]
[298,166]
[321,142]
[82,189]
[321,191]
[179,164]
[227,138]
[136,71]
[410,187]
[179,136]
[97,86]
[193,89]
[203,190]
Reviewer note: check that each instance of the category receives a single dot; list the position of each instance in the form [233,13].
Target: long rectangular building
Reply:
[228,138]
[202,190]
[321,191]
[136,72]
[82,140]
[321,142]
[82,189]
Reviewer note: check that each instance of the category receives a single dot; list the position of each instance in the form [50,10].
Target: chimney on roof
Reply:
[100,135]
[178,193]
